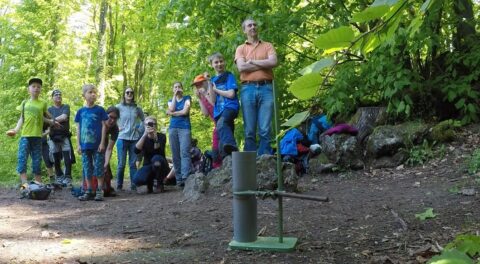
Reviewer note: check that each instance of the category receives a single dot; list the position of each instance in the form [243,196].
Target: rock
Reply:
[443,131]
[384,141]
[366,119]
[342,150]
[414,132]
[221,178]
[389,161]
[319,165]
[267,178]
[195,186]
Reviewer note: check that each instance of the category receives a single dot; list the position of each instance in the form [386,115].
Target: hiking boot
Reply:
[86,196]
[228,149]
[98,196]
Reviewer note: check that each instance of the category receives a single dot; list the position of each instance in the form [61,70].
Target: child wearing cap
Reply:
[201,84]
[223,93]
[91,133]
[33,114]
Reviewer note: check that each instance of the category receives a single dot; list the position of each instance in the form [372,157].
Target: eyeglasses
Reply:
[113,117]
[129,92]
[151,124]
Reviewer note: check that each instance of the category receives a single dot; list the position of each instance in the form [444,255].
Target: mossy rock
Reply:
[444,131]
[413,132]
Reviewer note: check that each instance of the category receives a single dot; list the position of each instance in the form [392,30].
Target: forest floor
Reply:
[370,219]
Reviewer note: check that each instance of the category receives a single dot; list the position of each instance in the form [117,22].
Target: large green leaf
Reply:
[317,66]
[451,257]
[306,86]
[335,39]
[296,119]
[370,13]
[469,244]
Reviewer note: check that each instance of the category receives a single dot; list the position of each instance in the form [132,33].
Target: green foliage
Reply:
[426,215]
[420,154]
[462,250]
[451,257]
[297,119]
[474,162]
[469,244]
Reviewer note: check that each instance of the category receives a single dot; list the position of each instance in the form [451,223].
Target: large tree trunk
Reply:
[101,37]
[465,22]
[112,24]
[124,58]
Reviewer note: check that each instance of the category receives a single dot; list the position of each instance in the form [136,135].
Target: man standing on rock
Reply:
[255,60]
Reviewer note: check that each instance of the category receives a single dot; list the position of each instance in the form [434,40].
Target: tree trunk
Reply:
[465,22]
[100,69]
[124,58]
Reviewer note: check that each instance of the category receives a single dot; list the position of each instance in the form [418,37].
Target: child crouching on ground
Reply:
[91,130]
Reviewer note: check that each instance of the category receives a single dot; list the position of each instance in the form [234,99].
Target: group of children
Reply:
[97,131]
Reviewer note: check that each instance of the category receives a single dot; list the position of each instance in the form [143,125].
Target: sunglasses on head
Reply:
[151,124]
[129,92]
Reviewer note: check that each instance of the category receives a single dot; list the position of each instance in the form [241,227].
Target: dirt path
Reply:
[358,225]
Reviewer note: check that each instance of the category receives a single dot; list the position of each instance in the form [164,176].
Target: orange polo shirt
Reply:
[260,51]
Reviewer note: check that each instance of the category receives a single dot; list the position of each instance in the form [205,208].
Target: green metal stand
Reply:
[280,243]
[267,244]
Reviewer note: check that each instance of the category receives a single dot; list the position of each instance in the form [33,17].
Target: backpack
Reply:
[207,162]
[35,191]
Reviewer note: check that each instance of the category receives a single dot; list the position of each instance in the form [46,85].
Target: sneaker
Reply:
[86,197]
[60,179]
[228,149]
[67,181]
[99,196]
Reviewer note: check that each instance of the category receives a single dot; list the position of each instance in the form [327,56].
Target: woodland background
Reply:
[418,58]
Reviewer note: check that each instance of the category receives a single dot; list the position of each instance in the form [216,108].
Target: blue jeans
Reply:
[179,139]
[92,162]
[225,127]
[157,169]
[123,147]
[257,109]
[30,146]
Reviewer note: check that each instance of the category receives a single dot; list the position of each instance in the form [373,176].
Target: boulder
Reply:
[384,141]
[413,132]
[366,119]
[195,186]
[221,178]
[444,131]
[267,178]
[342,150]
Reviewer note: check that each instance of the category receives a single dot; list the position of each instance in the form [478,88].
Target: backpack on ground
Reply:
[35,191]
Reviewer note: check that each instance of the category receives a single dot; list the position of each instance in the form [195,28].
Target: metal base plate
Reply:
[267,244]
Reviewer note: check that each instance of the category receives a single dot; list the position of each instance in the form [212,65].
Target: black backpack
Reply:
[207,162]
[35,191]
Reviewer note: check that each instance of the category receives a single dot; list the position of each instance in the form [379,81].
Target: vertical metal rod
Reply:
[279,162]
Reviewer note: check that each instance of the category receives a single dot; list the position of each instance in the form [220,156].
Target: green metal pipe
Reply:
[279,162]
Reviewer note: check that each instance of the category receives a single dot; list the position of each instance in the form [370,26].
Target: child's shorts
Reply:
[30,146]
[92,161]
